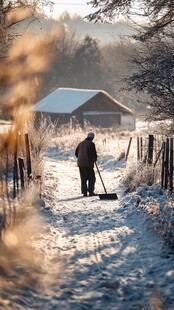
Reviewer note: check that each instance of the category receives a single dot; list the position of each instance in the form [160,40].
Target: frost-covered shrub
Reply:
[139,173]
[40,138]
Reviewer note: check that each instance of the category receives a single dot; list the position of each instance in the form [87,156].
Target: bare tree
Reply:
[12,14]
[154,59]
[60,73]
[23,60]
[159,14]
[155,76]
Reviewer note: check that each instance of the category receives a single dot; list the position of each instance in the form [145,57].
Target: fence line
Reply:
[16,167]
[158,155]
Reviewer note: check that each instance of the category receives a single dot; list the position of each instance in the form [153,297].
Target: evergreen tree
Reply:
[86,65]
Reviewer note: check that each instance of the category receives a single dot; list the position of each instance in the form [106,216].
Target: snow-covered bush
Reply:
[40,138]
[139,173]
[158,203]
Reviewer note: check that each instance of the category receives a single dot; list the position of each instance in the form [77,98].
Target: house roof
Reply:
[66,100]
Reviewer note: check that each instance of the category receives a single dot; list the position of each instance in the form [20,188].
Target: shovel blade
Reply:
[108,196]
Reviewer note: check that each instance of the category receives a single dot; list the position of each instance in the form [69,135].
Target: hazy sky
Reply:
[79,7]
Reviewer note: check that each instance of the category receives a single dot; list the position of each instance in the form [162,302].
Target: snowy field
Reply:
[103,254]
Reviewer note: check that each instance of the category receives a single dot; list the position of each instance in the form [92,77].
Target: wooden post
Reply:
[141,148]
[28,158]
[138,149]
[171,164]
[158,155]
[6,172]
[128,149]
[150,149]
[15,171]
[145,152]
[21,170]
[166,164]
[163,164]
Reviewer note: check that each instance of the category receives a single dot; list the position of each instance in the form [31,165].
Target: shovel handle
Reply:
[101,178]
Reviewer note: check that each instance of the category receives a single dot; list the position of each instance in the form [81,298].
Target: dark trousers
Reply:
[87,176]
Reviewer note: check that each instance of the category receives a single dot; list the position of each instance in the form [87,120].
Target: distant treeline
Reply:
[81,59]
[86,64]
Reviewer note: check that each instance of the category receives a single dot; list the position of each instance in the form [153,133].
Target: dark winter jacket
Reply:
[86,153]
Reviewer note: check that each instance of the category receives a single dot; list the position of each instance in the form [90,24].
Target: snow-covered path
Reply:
[112,257]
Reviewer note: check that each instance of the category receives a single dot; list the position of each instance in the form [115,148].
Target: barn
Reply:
[96,107]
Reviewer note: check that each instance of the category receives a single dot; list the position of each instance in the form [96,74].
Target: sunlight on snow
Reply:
[128,250]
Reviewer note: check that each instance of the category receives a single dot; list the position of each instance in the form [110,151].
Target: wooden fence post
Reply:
[150,149]
[166,170]
[171,164]
[28,158]
[21,170]
[15,171]
[128,149]
[141,148]
[138,149]
[158,155]
[6,170]
[163,164]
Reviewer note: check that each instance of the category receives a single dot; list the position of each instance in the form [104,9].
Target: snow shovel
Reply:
[106,195]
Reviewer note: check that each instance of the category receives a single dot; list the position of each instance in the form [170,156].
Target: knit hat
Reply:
[90,134]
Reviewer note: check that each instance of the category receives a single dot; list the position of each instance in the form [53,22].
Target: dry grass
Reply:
[138,174]
[107,140]
[20,80]
[40,140]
